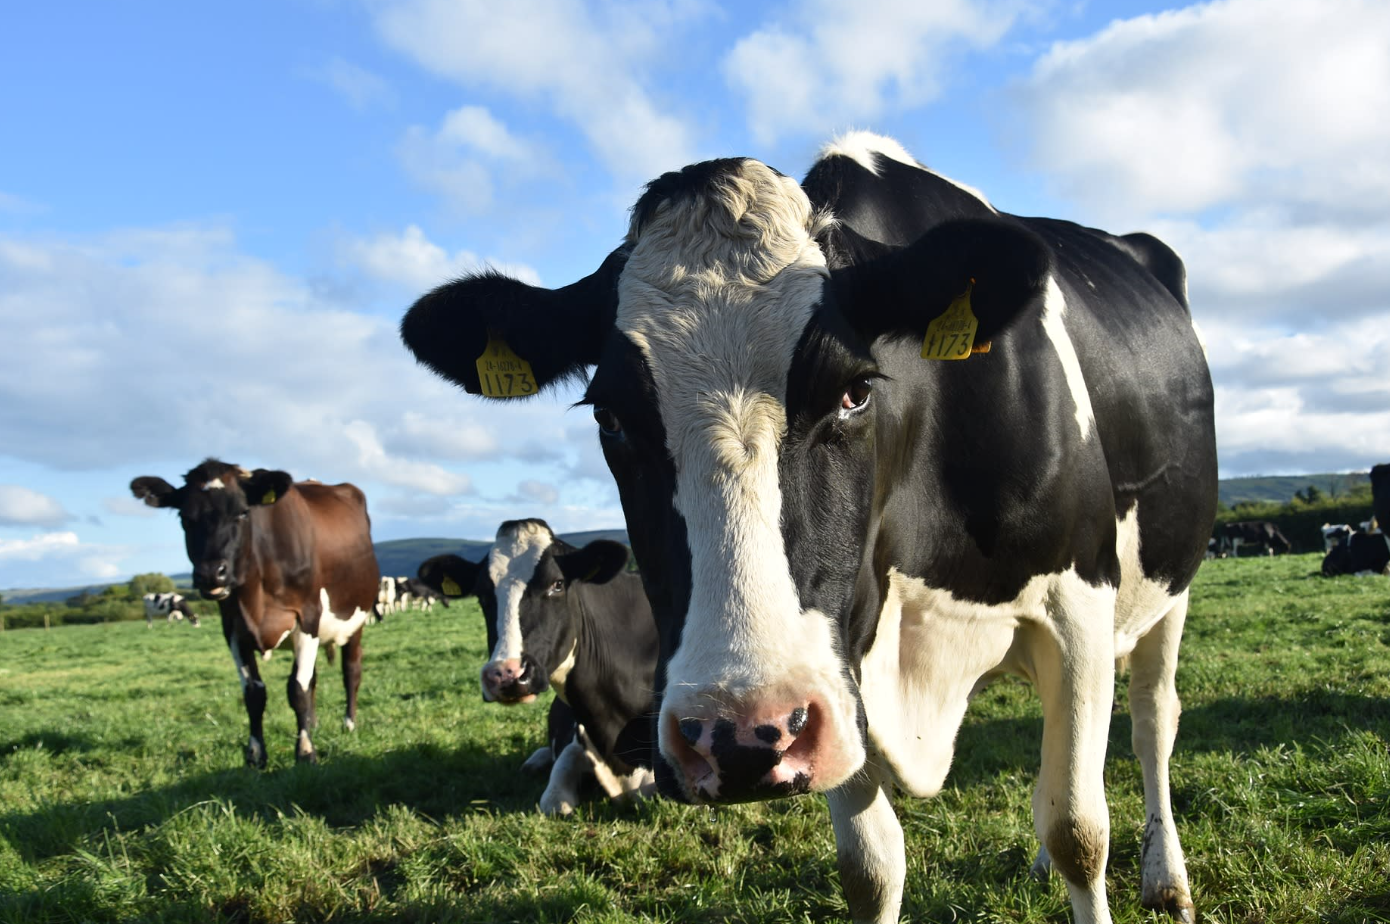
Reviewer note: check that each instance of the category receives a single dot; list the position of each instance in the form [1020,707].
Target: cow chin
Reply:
[221,592]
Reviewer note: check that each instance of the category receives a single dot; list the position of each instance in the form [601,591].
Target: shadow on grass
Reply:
[344,791]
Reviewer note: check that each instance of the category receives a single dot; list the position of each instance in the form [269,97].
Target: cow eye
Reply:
[608,422]
[855,396]
[557,588]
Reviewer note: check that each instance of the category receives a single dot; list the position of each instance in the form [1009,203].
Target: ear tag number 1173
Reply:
[952,334]
[503,374]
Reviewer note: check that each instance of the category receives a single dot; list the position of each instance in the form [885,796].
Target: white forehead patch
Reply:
[214,485]
[861,146]
[512,563]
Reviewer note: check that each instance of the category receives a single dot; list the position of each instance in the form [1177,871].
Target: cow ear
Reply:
[541,336]
[597,563]
[451,575]
[156,492]
[1003,267]
[265,487]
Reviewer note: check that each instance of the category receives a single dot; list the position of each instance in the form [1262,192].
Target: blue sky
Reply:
[212,218]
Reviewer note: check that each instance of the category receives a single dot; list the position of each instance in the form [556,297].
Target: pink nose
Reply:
[501,680]
[745,755]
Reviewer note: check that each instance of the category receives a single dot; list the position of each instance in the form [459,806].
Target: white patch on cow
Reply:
[214,485]
[1053,321]
[306,652]
[716,299]
[333,629]
[861,146]
[562,792]
[243,673]
[512,563]
[562,673]
[1140,602]
[638,784]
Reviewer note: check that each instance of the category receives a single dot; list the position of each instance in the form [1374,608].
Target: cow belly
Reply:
[932,652]
[335,628]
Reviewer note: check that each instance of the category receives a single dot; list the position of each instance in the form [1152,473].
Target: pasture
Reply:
[122,795]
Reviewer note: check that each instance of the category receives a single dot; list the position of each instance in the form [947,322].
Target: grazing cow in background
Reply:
[171,606]
[578,621]
[877,444]
[1364,553]
[416,592]
[1255,533]
[282,560]
[1334,535]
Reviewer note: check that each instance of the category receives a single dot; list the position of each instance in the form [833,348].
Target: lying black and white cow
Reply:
[878,443]
[171,606]
[1259,534]
[1335,534]
[1363,553]
[578,621]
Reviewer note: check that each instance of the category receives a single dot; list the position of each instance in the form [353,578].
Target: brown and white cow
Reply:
[282,560]
[878,443]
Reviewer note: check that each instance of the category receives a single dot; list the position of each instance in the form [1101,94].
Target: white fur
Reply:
[1054,312]
[333,629]
[861,146]
[716,301]
[511,565]
[306,652]
[562,673]
[214,485]
[869,838]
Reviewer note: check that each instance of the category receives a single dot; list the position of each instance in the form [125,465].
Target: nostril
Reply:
[222,570]
[691,730]
[796,722]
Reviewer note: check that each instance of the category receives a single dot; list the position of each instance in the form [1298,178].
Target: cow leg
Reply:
[352,678]
[539,761]
[252,693]
[1154,707]
[869,844]
[300,689]
[562,792]
[1074,671]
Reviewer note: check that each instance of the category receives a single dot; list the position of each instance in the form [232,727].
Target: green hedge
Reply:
[1302,523]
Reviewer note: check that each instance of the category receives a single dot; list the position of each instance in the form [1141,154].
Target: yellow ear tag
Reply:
[451,587]
[952,335]
[503,374]
[269,497]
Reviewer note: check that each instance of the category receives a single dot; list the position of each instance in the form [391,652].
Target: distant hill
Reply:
[1280,489]
[396,557]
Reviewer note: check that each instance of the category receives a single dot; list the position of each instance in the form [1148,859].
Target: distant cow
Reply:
[878,443]
[385,597]
[415,592]
[170,606]
[578,621]
[282,560]
[1363,553]
[1255,533]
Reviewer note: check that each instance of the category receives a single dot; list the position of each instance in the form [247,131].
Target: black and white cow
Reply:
[413,592]
[1363,553]
[169,605]
[1257,534]
[578,621]
[1335,534]
[843,540]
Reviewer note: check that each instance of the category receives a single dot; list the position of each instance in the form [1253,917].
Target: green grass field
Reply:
[123,798]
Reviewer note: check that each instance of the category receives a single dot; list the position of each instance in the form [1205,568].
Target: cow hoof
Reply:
[255,756]
[307,757]
[1177,906]
[349,725]
[557,806]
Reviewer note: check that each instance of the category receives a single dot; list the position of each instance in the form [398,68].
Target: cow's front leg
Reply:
[252,693]
[1074,670]
[1154,707]
[300,689]
[562,792]
[869,843]
[352,678]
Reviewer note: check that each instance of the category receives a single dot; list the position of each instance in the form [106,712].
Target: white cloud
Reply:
[21,506]
[413,261]
[50,559]
[536,492]
[40,546]
[460,159]
[830,65]
[373,459]
[1238,100]
[359,86]
[586,62]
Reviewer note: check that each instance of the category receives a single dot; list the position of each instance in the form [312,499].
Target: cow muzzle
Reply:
[513,681]
[765,751]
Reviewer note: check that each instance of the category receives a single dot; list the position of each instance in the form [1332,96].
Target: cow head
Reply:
[215,505]
[737,399]
[524,589]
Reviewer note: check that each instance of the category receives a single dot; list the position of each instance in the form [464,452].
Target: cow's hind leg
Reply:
[352,678]
[869,844]
[1074,670]
[1154,707]
[300,688]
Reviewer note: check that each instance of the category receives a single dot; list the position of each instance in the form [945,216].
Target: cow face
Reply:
[525,590]
[215,505]
[738,403]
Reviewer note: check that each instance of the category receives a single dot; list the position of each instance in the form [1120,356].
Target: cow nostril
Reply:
[691,730]
[222,570]
[796,722]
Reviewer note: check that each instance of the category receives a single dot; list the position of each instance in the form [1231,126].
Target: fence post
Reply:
[45,620]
